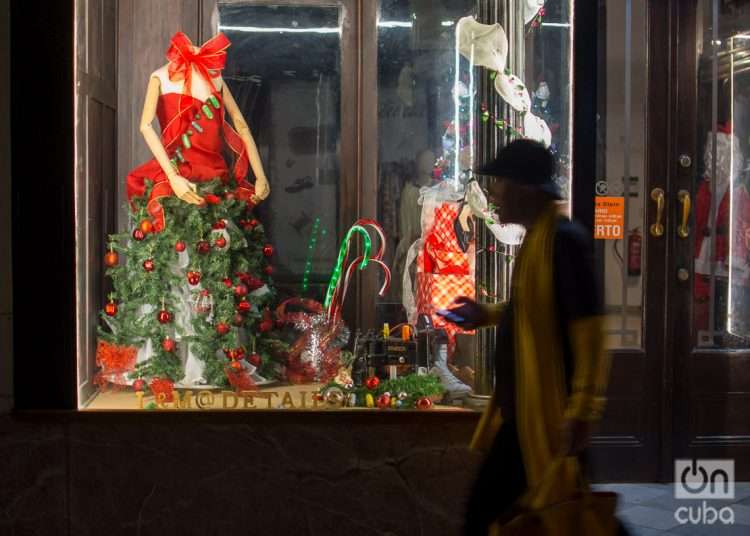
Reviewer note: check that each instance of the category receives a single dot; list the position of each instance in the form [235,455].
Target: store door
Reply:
[708,268]
[674,114]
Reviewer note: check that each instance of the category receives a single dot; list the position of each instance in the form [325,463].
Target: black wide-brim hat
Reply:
[524,162]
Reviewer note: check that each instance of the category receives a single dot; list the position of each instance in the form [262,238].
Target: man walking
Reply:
[551,365]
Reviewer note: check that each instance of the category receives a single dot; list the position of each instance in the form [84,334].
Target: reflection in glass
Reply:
[284,69]
[721,292]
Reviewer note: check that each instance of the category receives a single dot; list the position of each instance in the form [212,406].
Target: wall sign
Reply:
[609,218]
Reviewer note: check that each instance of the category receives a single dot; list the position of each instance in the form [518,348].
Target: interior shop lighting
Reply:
[261,29]
[556,24]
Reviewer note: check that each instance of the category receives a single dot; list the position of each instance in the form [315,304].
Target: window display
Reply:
[242,235]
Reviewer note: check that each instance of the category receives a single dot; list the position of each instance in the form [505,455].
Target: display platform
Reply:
[293,397]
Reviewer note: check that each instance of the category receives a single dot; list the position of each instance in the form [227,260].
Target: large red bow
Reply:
[208,60]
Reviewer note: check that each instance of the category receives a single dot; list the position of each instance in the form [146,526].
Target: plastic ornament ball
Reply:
[384,401]
[227,282]
[268,250]
[148,265]
[168,345]
[138,235]
[236,365]
[139,385]
[180,246]
[110,308]
[424,403]
[203,247]
[254,359]
[240,352]
[146,226]
[372,383]
[491,249]
[220,242]
[238,319]
[219,225]
[240,290]
[111,259]
[244,306]
[268,269]
[222,328]
[164,316]
[193,277]
[266,326]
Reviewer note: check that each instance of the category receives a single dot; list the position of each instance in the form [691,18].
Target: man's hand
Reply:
[185,190]
[575,436]
[472,313]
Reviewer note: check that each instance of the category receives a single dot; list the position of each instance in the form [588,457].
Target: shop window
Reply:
[199,290]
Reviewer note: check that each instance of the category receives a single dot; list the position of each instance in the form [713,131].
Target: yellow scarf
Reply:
[542,404]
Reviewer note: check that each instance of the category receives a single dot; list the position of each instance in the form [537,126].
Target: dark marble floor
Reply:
[649,510]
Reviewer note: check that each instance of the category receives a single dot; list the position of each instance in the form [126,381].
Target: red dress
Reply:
[183,118]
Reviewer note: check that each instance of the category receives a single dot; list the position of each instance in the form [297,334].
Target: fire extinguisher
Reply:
[634,252]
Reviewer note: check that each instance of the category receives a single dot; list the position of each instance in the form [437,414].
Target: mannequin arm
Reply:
[262,189]
[182,187]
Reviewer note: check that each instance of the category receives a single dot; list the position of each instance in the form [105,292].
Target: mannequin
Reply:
[159,84]
[409,213]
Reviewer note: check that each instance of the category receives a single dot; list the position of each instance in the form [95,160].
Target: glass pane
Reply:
[621,153]
[426,99]
[430,112]
[195,316]
[721,291]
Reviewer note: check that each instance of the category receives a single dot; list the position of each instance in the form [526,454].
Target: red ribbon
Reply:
[207,60]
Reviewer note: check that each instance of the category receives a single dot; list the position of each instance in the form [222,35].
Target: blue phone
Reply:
[451,316]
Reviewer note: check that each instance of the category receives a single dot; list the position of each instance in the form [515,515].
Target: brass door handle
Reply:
[657,228]
[683,196]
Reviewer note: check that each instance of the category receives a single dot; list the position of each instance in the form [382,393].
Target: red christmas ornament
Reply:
[193,277]
[372,383]
[148,265]
[491,249]
[146,226]
[384,401]
[240,352]
[111,308]
[168,345]
[238,319]
[254,359]
[139,385]
[219,225]
[266,326]
[227,282]
[212,199]
[204,292]
[236,365]
[424,403]
[268,269]
[138,235]
[164,316]
[180,246]
[244,306]
[203,247]
[220,242]
[240,290]
[268,250]
[222,328]
[231,353]
[111,259]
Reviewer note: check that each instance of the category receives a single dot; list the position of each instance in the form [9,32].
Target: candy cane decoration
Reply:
[335,294]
